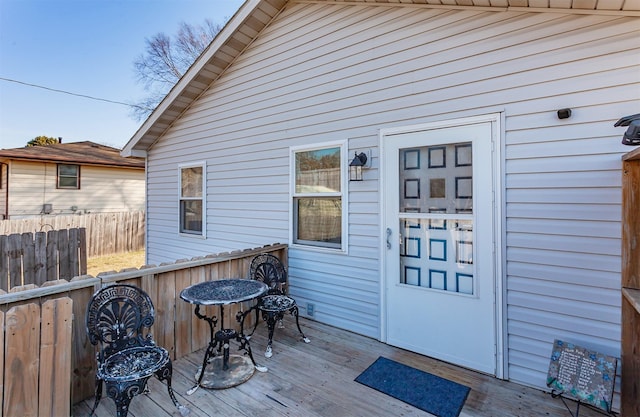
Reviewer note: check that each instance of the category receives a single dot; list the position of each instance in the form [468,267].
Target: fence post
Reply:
[73,254]
[82,236]
[64,254]
[41,258]
[22,338]
[15,260]
[55,358]
[52,255]
[28,258]
[4,263]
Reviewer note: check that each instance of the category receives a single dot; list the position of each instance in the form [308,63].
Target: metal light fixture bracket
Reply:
[356,166]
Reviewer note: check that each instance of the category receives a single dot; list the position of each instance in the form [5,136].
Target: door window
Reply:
[436,217]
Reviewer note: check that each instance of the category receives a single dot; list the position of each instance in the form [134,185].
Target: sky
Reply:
[84,47]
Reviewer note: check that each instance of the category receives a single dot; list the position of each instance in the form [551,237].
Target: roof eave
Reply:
[224,49]
[132,165]
[192,84]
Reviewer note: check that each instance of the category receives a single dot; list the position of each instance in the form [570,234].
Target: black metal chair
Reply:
[118,321]
[275,303]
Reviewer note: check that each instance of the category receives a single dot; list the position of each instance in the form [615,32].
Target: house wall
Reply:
[333,72]
[102,190]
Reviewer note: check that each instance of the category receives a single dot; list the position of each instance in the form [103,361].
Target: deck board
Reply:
[317,380]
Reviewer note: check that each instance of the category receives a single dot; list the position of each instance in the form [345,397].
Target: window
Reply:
[318,209]
[191,199]
[68,176]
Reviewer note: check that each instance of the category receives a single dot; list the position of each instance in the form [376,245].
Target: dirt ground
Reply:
[115,262]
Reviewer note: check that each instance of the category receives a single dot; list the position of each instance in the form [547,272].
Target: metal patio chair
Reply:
[118,321]
[275,303]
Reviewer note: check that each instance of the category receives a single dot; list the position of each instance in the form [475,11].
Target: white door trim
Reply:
[497,123]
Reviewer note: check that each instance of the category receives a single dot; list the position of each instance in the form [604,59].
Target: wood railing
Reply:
[47,362]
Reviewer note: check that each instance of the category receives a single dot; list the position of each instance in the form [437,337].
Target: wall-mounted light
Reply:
[632,136]
[564,113]
[355,166]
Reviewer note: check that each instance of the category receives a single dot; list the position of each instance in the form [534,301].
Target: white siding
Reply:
[102,190]
[334,72]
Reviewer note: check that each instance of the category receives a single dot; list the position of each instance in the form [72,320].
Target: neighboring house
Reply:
[487,224]
[69,178]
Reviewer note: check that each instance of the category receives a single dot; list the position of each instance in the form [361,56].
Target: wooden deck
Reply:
[317,379]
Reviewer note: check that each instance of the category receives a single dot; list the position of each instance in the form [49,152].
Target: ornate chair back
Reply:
[119,317]
[270,270]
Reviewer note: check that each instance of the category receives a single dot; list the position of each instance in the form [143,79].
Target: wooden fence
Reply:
[34,259]
[37,358]
[36,347]
[107,233]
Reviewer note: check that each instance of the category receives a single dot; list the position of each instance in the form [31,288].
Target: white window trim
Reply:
[77,177]
[344,173]
[203,165]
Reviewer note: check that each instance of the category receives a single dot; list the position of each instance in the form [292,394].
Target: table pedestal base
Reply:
[240,369]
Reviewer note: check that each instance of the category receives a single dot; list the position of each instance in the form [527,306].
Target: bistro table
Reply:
[219,368]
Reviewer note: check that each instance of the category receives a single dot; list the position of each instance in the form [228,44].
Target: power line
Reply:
[74,94]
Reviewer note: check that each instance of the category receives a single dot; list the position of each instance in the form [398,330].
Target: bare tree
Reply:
[166,59]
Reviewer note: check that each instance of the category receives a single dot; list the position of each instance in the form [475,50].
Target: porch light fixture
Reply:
[632,136]
[356,165]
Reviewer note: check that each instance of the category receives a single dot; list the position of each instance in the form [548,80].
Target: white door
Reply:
[439,265]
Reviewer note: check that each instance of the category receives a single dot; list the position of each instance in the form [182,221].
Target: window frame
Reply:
[185,232]
[343,194]
[77,177]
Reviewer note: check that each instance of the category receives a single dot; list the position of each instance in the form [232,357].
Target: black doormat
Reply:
[420,389]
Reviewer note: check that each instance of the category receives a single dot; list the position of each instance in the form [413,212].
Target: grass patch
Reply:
[116,262]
